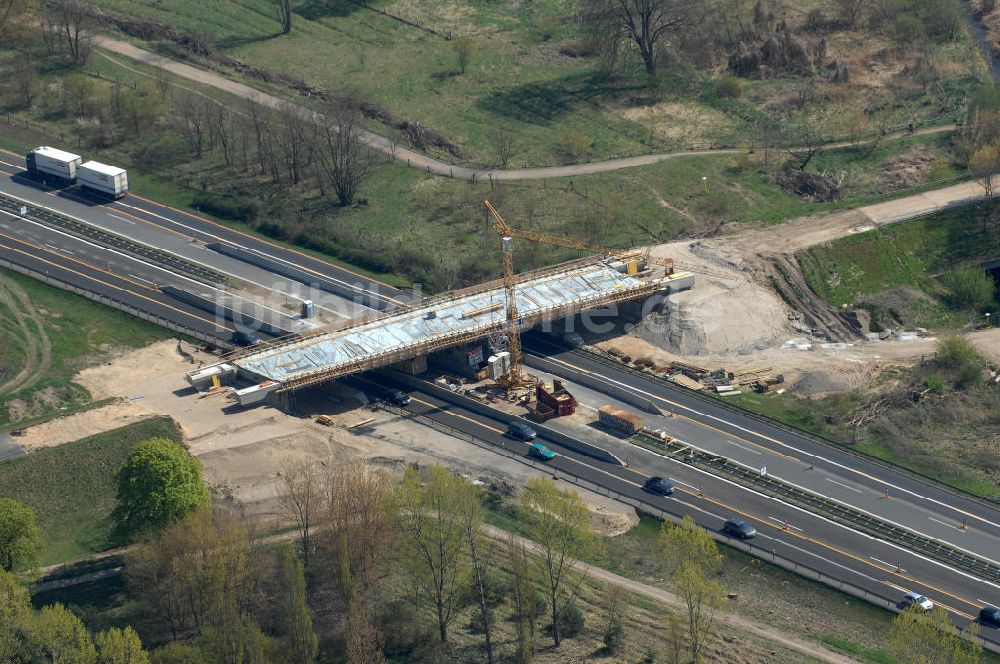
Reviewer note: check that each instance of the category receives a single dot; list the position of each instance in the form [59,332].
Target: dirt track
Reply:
[28,325]
[412,157]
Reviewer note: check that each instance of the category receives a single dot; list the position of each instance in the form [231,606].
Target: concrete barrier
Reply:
[544,432]
[241,317]
[360,293]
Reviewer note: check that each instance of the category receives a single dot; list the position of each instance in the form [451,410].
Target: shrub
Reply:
[577,142]
[971,288]
[227,207]
[729,87]
[571,621]
[954,352]
[614,636]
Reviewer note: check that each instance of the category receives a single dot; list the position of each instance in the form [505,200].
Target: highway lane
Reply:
[919,505]
[156,218]
[981,541]
[830,548]
[135,291]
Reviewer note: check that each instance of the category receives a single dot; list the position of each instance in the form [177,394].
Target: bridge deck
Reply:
[442,324]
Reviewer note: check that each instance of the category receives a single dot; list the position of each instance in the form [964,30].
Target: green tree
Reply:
[159,484]
[178,653]
[693,557]
[60,637]
[20,539]
[120,646]
[560,522]
[465,50]
[429,516]
[15,617]
[296,620]
[971,287]
[929,637]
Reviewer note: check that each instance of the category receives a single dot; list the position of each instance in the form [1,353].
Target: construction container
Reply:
[103,179]
[52,161]
[619,419]
[558,399]
[308,310]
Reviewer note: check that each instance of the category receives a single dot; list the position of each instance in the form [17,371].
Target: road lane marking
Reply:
[830,479]
[277,246]
[765,437]
[733,442]
[804,537]
[127,221]
[135,276]
[785,524]
[99,281]
[945,523]
[892,568]
[62,249]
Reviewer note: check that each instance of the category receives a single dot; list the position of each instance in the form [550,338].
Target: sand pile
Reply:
[718,315]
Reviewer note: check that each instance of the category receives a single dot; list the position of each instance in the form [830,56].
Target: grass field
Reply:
[521,77]
[71,487]
[46,336]
[894,271]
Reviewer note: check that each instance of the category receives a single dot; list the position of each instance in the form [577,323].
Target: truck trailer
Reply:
[103,179]
[52,161]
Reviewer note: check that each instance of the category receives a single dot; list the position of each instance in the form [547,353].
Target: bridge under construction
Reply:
[452,319]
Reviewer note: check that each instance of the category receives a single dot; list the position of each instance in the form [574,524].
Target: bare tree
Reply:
[523,598]
[25,79]
[297,140]
[429,519]
[850,11]
[191,117]
[355,527]
[984,164]
[480,555]
[10,11]
[644,27]
[364,641]
[283,11]
[465,50]
[299,494]
[345,162]
[72,20]
[503,143]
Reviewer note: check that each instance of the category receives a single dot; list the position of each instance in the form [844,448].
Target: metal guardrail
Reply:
[831,509]
[118,304]
[989,501]
[761,553]
[109,240]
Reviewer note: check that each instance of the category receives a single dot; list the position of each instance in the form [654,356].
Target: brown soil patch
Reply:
[682,122]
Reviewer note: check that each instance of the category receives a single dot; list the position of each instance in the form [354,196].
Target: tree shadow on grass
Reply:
[317,9]
[544,101]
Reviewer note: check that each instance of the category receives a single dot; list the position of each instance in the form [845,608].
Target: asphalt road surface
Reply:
[820,468]
[185,234]
[837,551]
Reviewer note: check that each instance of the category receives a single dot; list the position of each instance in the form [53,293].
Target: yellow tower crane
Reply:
[514,377]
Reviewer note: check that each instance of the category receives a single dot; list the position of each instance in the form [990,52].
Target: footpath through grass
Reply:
[50,334]
[71,487]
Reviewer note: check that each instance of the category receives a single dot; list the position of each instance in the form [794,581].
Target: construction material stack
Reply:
[616,418]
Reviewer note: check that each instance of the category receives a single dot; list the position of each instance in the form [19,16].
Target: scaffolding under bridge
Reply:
[442,322]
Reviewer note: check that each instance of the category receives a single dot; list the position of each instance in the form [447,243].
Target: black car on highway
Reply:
[398,398]
[989,615]
[740,528]
[659,486]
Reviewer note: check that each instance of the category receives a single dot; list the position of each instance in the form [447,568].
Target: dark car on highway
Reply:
[398,398]
[659,486]
[740,528]
[245,338]
[990,616]
[521,431]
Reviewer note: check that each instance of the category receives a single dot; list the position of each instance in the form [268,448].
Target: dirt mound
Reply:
[900,306]
[815,383]
[907,169]
[810,186]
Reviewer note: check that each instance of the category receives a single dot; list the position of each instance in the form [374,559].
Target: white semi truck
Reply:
[103,179]
[52,161]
